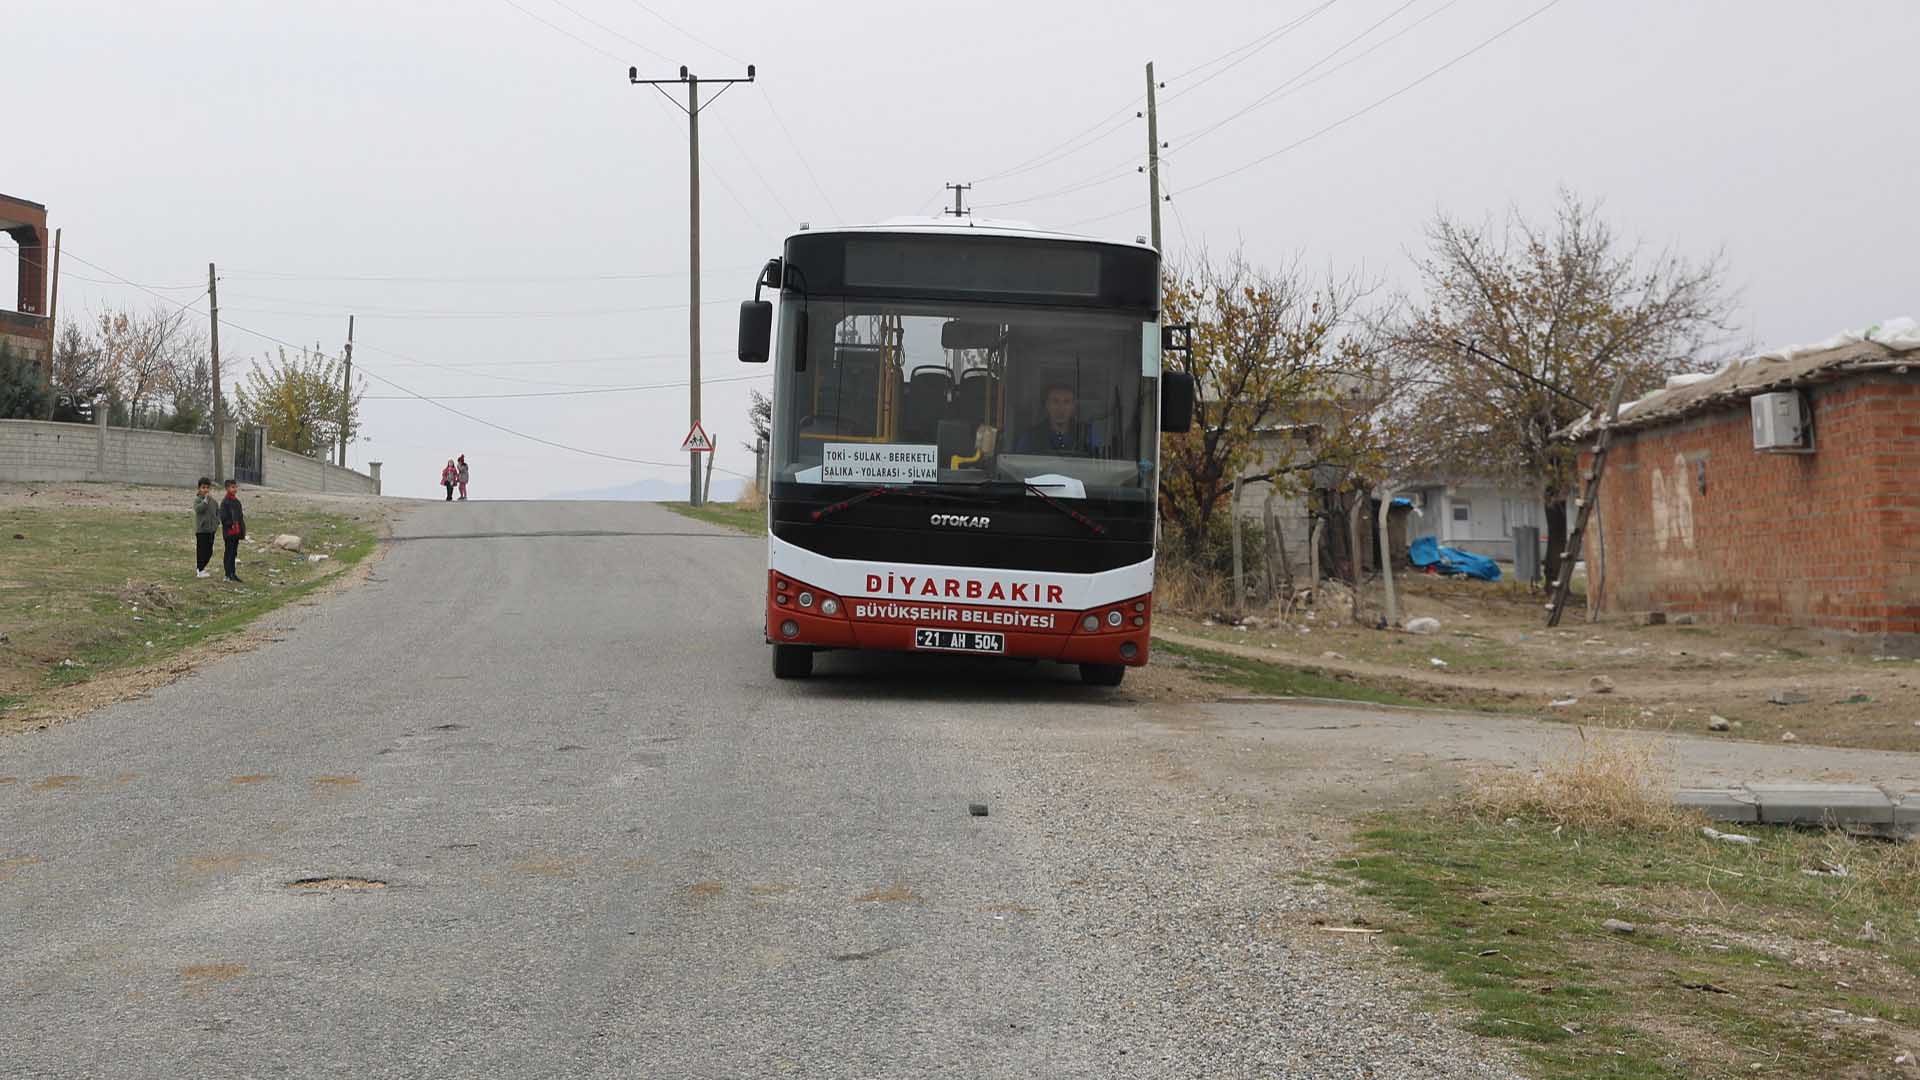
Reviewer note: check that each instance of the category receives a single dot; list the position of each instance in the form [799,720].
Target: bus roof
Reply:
[948,225]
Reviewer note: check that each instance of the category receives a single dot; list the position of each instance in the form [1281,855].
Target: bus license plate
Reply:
[972,641]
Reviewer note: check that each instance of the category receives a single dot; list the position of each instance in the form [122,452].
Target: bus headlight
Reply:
[806,599]
[1090,623]
[1114,617]
[829,606]
[790,628]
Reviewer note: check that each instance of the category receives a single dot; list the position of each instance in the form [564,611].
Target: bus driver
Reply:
[1062,432]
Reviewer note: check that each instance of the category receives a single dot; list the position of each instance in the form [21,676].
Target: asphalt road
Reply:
[614,846]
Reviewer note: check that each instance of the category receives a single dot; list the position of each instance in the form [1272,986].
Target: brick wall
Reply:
[1694,520]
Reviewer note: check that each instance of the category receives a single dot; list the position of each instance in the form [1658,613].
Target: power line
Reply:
[648,49]
[1116,121]
[1251,49]
[1357,113]
[757,174]
[686,33]
[1061,152]
[804,163]
[574,393]
[557,28]
[1289,87]
[239,274]
[410,393]
[431,313]
[1097,181]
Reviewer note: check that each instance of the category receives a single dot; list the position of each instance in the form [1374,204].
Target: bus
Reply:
[965,442]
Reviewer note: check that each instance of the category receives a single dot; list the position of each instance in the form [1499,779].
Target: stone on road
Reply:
[527,803]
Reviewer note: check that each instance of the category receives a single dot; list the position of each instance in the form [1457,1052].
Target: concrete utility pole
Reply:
[1153,153]
[695,495]
[346,394]
[959,192]
[53,322]
[219,413]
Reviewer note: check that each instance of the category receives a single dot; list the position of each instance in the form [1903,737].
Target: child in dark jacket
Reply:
[233,522]
[206,522]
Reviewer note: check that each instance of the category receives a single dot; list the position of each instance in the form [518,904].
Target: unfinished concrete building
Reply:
[26,331]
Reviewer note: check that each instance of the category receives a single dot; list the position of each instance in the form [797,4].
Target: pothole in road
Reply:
[335,884]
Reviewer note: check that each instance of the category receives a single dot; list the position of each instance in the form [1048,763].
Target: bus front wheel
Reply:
[1102,674]
[792,661]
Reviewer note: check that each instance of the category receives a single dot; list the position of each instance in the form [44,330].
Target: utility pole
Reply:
[695,495]
[219,413]
[53,322]
[1153,153]
[346,395]
[959,191]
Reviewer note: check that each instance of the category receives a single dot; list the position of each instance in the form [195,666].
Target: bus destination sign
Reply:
[879,463]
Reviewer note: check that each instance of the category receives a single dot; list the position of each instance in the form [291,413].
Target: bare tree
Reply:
[143,356]
[1271,350]
[1568,305]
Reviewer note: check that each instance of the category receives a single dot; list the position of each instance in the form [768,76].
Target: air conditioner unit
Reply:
[1781,422]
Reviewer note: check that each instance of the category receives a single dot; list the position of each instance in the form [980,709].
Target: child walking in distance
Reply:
[449,477]
[233,522]
[206,522]
[463,477]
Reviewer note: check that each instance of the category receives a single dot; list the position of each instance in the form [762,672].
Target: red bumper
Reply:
[826,620]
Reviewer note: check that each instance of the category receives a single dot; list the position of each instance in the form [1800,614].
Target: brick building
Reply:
[1824,534]
[27,331]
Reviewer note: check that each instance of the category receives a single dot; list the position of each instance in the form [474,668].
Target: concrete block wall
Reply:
[288,471]
[44,452]
[134,456]
[1693,519]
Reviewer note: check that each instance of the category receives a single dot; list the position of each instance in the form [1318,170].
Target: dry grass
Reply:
[1186,589]
[1612,780]
[751,498]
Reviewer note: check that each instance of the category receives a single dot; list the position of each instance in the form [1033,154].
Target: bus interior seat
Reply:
[927,393]
[973,398]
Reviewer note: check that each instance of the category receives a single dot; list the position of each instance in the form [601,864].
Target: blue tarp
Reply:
[1427,551]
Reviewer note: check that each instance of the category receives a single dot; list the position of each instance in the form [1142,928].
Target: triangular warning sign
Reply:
[697,440]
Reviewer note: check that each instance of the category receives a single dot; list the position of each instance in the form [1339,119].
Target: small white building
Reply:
[1472,514]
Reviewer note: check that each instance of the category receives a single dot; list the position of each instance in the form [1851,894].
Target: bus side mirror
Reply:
[1176,401]
[756,331]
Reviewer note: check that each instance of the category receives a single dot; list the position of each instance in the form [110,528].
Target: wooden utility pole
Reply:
[219,411]
[346,394]
[1153,153]
[1239,573]
[695,496]
[53,322]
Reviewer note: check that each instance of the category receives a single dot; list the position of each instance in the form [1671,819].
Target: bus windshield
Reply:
[883,392]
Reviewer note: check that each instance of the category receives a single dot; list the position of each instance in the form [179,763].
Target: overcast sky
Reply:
[526,208]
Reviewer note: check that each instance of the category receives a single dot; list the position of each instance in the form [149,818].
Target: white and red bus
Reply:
[966,432]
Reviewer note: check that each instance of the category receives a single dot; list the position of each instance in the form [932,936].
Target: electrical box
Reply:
[1781,422]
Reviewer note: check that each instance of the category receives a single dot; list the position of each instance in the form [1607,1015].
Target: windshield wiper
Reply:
[891,489]
[1036,489]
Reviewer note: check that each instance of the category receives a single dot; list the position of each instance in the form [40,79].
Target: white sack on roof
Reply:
[1897,333]
[1675,382]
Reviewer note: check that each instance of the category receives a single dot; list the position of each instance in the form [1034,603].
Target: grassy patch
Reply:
[1741,963]
[725,515]
[1277,679]
[90,591]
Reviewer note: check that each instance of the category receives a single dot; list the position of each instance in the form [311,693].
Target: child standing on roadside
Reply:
[206,522]
[233,521]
